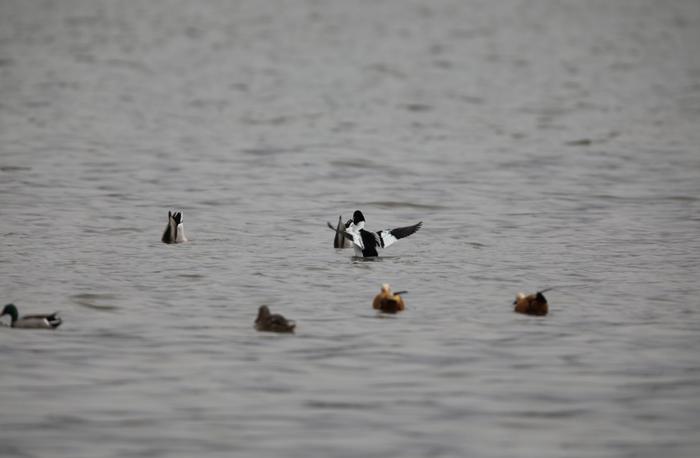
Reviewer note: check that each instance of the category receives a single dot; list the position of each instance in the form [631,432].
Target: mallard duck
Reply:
[51,321]
[267,321]
[366,242]
[174,231]
[388,301]
[531,304]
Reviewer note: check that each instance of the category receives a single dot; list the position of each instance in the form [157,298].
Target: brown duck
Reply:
[388,301]
[532,304]
[272,322]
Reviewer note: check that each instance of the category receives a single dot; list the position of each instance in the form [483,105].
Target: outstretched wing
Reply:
[388,237]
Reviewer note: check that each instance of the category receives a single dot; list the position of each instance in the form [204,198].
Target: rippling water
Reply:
[543,144]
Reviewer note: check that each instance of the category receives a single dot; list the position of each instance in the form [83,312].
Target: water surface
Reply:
[543,144]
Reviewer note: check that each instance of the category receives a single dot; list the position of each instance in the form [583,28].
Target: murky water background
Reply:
[543,143]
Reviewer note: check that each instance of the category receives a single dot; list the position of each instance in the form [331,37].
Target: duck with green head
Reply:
[51,321]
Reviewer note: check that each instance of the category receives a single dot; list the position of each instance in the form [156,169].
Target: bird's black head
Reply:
[358,217]
[177,216]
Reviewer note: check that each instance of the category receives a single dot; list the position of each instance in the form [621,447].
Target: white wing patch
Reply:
[356,237]
[387,238]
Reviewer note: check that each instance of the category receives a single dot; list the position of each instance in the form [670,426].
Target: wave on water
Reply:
[95,301]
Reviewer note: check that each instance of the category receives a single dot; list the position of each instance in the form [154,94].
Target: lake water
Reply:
[542,143]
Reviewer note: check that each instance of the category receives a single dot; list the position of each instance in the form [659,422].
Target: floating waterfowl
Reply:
[174,231]
[272,322]
[388,301]
[366,243]
[532,304]
[341,239]
[51,321]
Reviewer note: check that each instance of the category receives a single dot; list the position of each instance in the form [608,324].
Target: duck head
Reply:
[358,219]
[263,313]
[11,310]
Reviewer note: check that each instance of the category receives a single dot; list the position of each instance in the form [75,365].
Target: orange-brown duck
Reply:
[532,304]
[388,301]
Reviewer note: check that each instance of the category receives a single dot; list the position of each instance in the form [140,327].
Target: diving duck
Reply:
[174,231]
[342,239]
[51,321]
[366,242]
[267,321]
[388,301]
[532,304]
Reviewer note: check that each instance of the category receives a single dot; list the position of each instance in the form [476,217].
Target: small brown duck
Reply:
[388,301]
[532,304]
[267,321]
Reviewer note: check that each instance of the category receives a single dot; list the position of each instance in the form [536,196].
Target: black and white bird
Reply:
[366,242]
[174,231]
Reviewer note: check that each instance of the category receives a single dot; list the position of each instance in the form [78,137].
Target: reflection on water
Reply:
[542,143]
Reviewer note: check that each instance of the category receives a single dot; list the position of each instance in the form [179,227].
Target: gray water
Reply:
[543,144]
